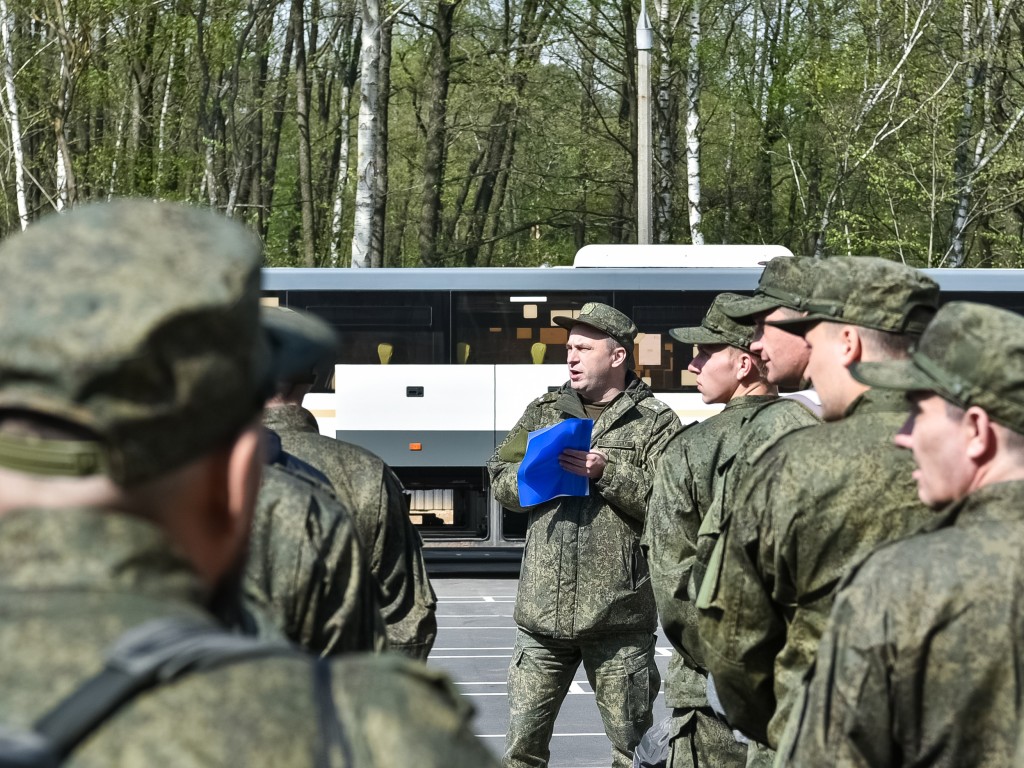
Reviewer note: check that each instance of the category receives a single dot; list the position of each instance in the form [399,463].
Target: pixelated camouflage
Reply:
[367,486]
[73,580]
[619,666]
[869,292]
[718,327]
[139,322]
[683,497]
[306,572]
[970,354]
[815,503]
[605,319]
[584,578]
[583,572]
[919,664]
[785,282]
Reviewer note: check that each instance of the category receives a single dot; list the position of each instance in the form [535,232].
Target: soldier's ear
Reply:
[980,438]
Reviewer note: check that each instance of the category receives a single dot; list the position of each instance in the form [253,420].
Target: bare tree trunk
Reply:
[436,132]
[302,121]
[13,111]
[693,77]
[269,172]
[380,196]
[350,55]
[665,217]
[65,193]
[366,172]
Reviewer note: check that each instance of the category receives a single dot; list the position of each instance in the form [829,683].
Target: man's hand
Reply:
[589,464]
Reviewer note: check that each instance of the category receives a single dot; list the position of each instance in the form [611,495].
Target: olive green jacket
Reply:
[73,580]
[686,483]
[307,575]
[583,571]
[921,662]
[805,511]
[368,487]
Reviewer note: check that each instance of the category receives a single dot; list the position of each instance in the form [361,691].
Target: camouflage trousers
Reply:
[621,671]
[702,740]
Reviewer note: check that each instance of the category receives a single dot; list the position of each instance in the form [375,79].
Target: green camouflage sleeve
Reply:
[410,606]
[307,570]
[627,484]
[670,538]
[395,712]
[503,466]
[844,716]
[741,629]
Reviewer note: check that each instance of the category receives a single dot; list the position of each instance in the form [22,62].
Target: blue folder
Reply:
[541,478]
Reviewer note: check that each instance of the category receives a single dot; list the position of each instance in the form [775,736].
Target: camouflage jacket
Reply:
[583,571]
[685,486]
[804,512]
[73,580]
[306,574]
[368,487]
[920,663]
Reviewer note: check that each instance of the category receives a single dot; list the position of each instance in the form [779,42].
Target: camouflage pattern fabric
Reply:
[920,662]
[683,521]
[367,486]
[682,496]
[583,571]
[621,670]
[584,578]
[73,580]
[809,508]
[306,571]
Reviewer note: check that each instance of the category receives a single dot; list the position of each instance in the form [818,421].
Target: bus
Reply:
[435,366]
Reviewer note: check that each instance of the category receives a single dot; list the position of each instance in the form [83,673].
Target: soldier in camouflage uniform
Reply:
[818,500]
[920,663]
[368,487]
[307,575]
[584,591]
[681,505]
[132,373]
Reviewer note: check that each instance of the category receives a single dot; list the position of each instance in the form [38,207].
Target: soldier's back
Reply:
[306,570]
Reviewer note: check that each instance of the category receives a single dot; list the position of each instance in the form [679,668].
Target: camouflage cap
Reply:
[139,323]
[869,292]
[605,319]
[970,354]
[718,327]
[785,282]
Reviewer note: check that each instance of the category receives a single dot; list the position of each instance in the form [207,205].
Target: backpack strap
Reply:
[152,653]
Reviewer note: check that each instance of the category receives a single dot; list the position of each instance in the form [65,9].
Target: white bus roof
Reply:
[677,255]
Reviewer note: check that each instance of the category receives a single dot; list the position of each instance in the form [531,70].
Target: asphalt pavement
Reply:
[475,637]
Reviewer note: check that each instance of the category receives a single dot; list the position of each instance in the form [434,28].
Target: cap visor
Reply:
[797,325]
[741,309]
[698,335]
[900,375]
[298,341]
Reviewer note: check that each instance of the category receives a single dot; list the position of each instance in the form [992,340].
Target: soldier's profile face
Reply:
[715,368]
[783,354]
[826,369]
[937,439]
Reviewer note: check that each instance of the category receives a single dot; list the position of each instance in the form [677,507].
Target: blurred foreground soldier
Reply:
[920,664]
[584,591]
[307,575]
[819,500]
[366,486]
[682,504]
[133,370]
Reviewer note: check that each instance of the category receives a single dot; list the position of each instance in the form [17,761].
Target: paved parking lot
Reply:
[474,644]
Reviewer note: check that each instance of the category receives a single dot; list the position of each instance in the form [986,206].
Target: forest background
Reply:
[503,132]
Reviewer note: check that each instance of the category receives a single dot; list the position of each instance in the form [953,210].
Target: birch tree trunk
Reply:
[366,136]
[350,56]
[13,111]
[693,126]
[65,193]
[380,193]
